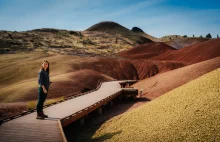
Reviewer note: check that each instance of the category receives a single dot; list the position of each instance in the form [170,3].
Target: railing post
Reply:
[82,122]
[100,111]
[111,103]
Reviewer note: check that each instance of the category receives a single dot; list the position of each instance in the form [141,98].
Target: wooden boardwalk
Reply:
[28,128]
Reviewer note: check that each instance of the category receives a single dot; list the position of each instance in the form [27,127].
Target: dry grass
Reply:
[32,104]
[188,113]
[50,101]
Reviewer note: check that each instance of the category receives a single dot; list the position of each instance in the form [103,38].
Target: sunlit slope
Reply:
[17,68]
[188,113]
[19,72]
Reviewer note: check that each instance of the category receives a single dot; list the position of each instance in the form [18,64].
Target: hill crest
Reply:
[115,28]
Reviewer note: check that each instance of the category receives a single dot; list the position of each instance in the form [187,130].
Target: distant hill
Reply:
[60,41]
[142,33]
[137,30]
[115,28]
[170,37]
[146,51]
[188,113]
[180,43]
[193,54]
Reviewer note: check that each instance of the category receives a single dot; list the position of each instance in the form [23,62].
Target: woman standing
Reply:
[44,83]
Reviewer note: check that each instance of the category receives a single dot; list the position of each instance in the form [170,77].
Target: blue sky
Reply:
[155,17]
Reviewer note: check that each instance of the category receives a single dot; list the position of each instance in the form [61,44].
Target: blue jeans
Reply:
[41,99]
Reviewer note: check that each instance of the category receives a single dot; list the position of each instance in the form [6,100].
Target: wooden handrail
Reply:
[65,99]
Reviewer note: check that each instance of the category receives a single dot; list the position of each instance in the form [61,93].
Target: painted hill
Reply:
[74,74]
[115,28]
[142,33]
[180,43]
[193,54]
[64,71]
[188,113]
[149,68]
[146,51]
[162,83]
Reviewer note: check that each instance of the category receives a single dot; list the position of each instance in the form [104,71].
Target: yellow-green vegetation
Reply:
[32,104]
[188,113]
[50,101]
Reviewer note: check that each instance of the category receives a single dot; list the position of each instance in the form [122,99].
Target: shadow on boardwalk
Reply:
[93,121]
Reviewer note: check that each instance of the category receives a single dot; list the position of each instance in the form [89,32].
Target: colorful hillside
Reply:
[188,113]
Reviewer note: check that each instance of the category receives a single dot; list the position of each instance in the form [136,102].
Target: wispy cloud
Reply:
[133,7]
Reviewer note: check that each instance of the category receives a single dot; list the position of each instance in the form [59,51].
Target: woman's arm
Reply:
[41,82]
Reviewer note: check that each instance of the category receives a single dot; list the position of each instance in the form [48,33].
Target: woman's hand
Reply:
[45,91]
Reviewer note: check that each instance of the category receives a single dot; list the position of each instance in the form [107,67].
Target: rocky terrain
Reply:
[103,39]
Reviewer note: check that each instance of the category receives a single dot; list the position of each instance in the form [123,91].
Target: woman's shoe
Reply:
[44,115]
[40,115]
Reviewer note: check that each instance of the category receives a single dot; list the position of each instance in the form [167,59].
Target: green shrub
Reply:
[208,35]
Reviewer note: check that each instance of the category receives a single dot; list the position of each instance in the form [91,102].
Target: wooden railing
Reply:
[54,103]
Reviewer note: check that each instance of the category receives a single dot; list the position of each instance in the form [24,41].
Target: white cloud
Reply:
[133,7]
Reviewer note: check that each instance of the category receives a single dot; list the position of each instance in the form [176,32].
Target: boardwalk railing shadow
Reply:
[76,132]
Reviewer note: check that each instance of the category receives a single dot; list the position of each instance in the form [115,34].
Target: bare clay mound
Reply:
[162,83]
[148,68]
[117,69]
[146,51]
[193,54]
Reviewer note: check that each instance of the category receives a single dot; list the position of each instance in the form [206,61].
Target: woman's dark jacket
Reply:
[43,79]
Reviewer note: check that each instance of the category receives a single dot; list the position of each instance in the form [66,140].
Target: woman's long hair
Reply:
[48,69]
